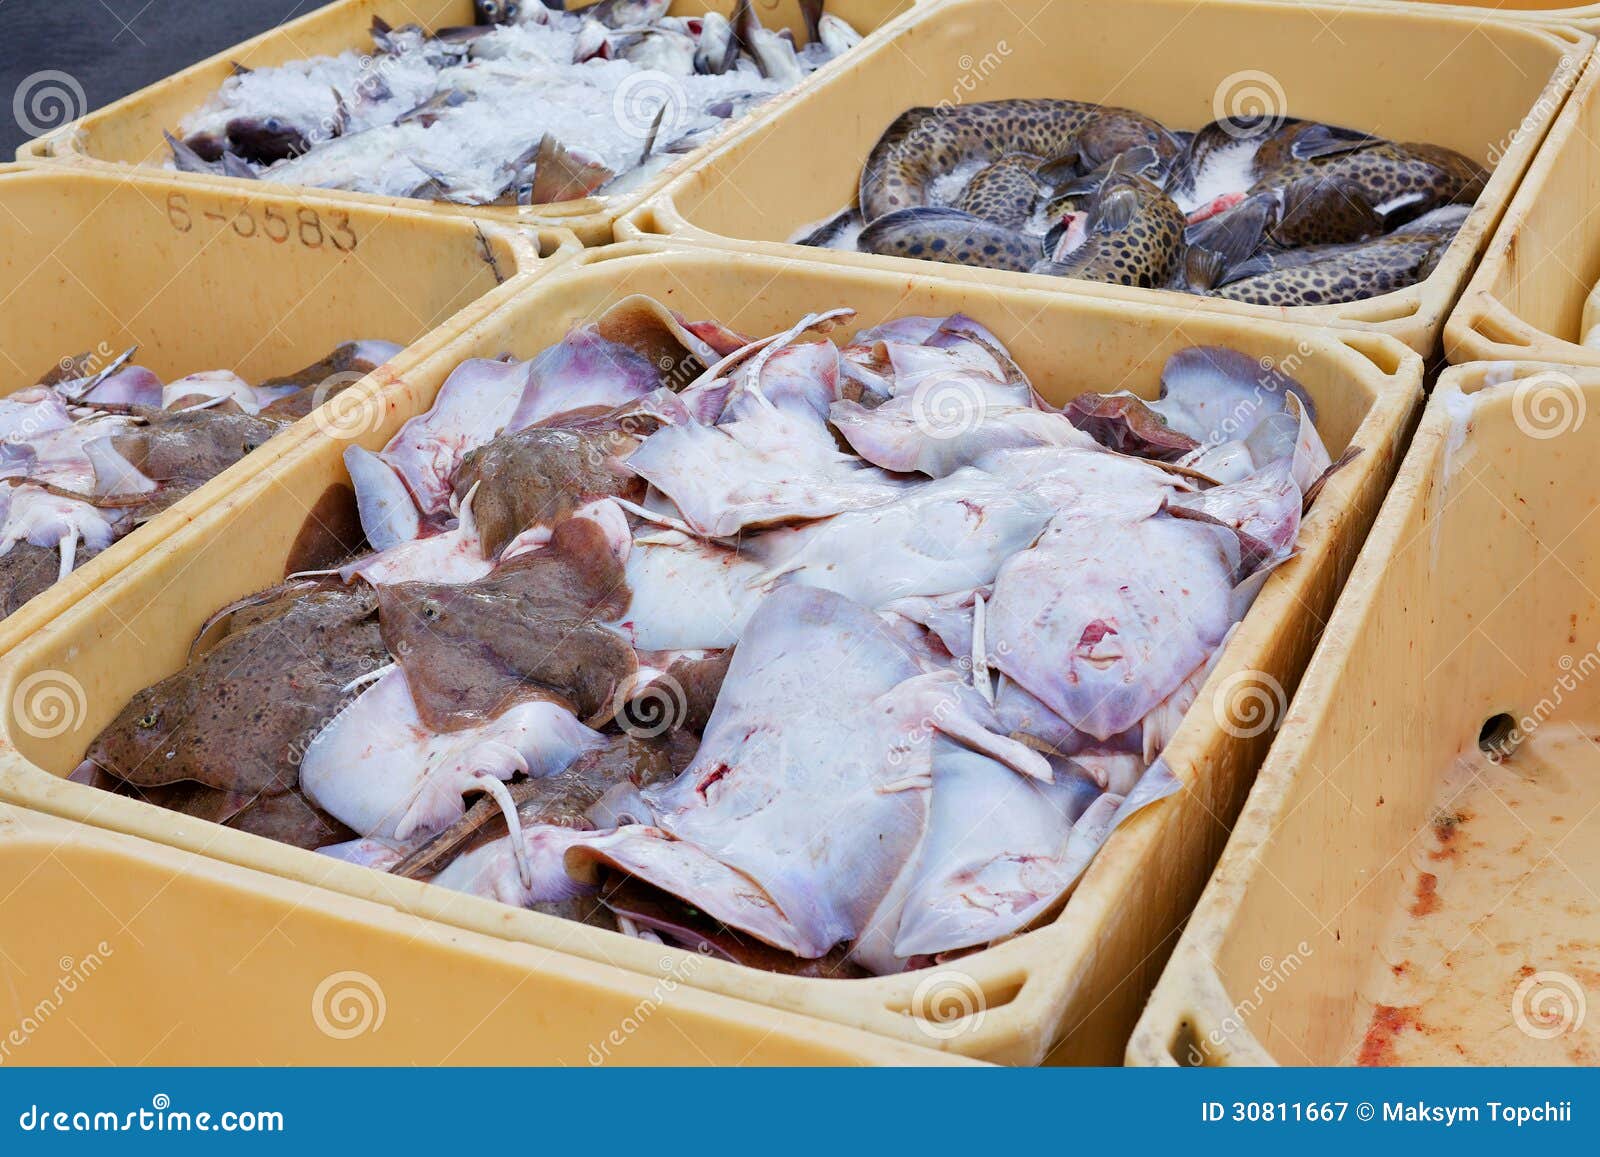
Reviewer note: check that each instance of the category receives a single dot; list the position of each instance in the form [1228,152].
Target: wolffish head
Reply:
[497,11]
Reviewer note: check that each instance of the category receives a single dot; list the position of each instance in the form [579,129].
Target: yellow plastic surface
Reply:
[1412,74]
[128,132]
[121,952]
[199,279]
[1083,977]
[1584,16]
[1525,301]
[1389,894]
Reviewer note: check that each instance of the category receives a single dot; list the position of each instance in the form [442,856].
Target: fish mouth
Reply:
[87,772]
[1073,236]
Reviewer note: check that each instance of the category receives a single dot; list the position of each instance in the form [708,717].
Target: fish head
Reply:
[1117,131]
[267,139]
[496,11]
[142,744]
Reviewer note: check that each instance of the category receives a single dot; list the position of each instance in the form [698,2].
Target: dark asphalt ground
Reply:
[109,48]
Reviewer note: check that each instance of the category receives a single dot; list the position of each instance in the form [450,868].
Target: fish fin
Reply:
[1351,453]
[650,139]
[1116,211]
[237,69]
[558,175]
[184,158]
[1139,160]
[233,165]
[1320,140]
[341,124]
[831,229]
[1203,268]
[1061,168]
[1235,235]
[69,554]
[811,13]
[501,795]
[745,25]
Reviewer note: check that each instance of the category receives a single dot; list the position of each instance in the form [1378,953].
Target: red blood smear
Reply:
[1388,1022]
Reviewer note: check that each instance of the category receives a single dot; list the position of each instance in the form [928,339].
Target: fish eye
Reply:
[431,611]
[512,9]
[490,8]
[149,719]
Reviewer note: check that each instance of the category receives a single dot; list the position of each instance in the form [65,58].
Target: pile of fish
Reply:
[830,660]
[1266,210]
[87,454]
[529,106]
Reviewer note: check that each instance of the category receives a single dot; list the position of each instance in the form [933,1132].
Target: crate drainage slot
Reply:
[1499,736]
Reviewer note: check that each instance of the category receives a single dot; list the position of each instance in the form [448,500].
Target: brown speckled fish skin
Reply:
[1142,252]
[1338,273]
[182,450]
[239,718]
[927,233]
[287,817]
[1004,192]
[540,475]
[1371,176]
[1316,211]
[528,629]
[342,364]
[925,142]
[27,570]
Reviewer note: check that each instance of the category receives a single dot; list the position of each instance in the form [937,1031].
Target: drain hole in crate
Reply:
[1188,1048]
[1498,737]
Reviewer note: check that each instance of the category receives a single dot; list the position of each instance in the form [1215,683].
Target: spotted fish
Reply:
[925,142]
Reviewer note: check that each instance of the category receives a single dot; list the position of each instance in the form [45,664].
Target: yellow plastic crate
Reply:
[1412,74]
[1363,911]
[1584,16]
[128,131]
[118,951]
[199,279]
[1525,302]
[1082,979]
